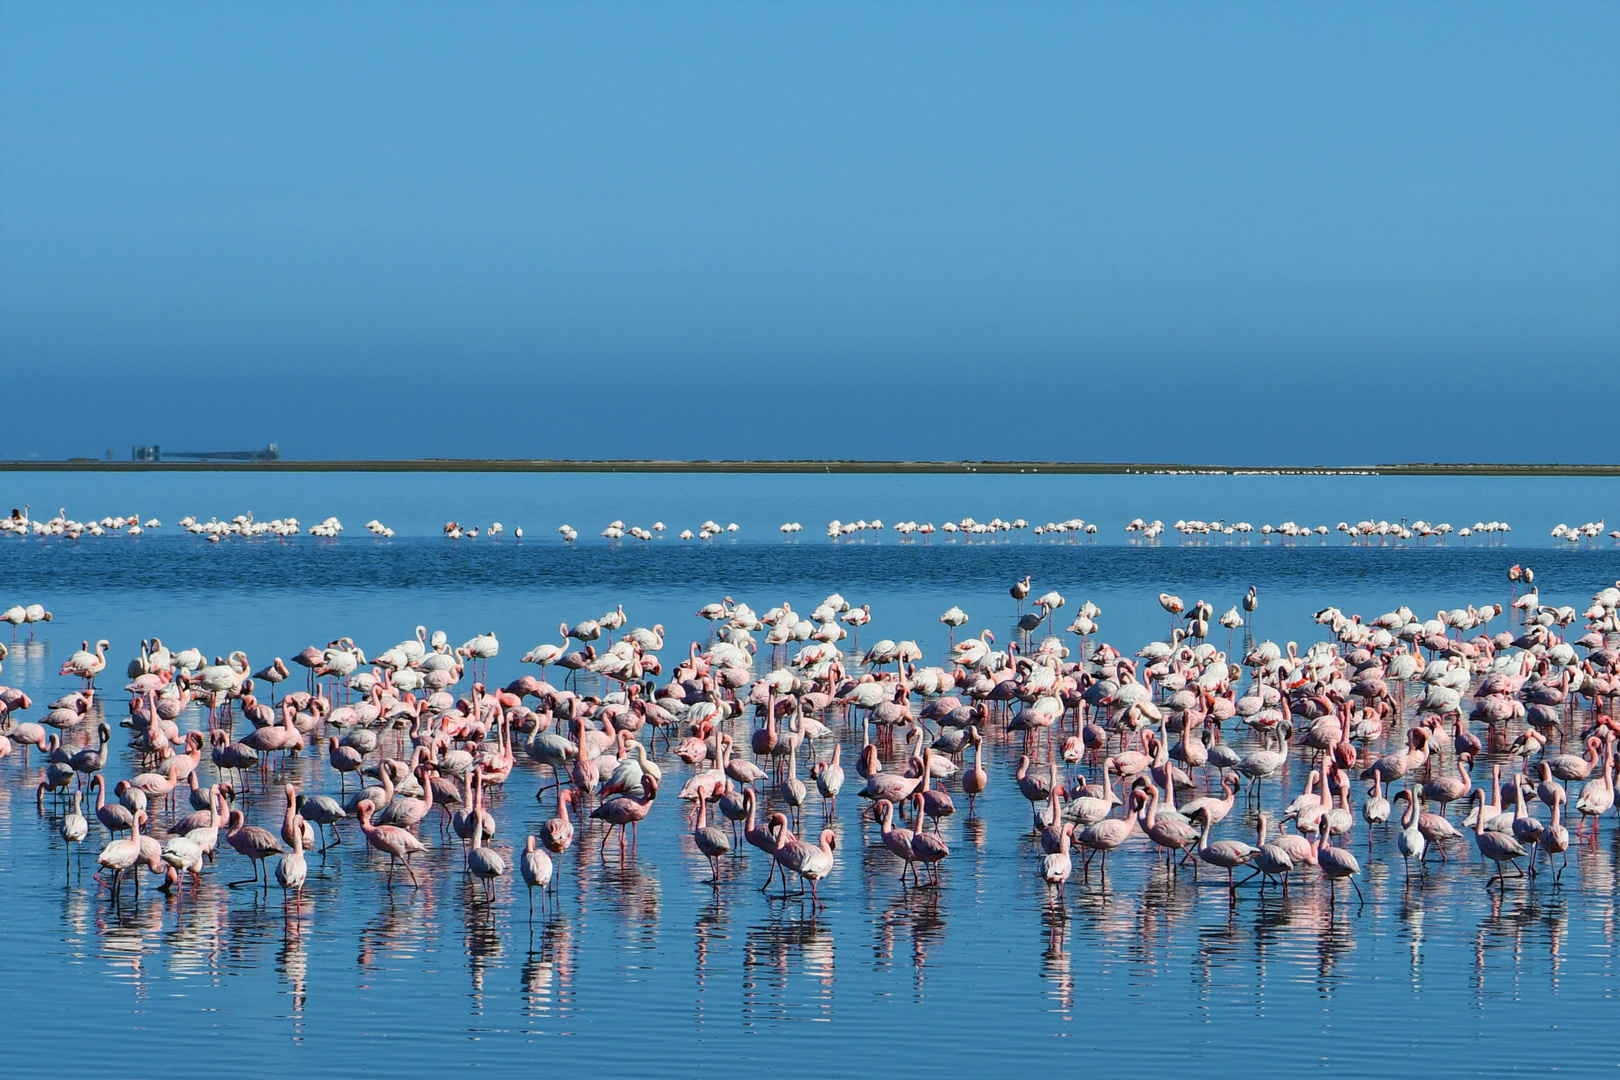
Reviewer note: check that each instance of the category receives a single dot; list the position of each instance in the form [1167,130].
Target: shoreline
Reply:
[652,465]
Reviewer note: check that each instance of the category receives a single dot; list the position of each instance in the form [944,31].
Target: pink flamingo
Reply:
[408,812]
[345,759]
[896,840]
[558,832]
[536,868]
[292,870]
[710,840]
[928,848]
[253,842]
[294,829]
[761,837]
[812,862]
[121,855]
[114,817]
[625,812]
[397,843]
[158,785]
[1057,867]
[975,779]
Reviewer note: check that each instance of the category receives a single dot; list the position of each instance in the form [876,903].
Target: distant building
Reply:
[157,453]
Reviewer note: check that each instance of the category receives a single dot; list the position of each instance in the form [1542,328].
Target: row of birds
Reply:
[244,525]
[213,529]
[614,530]
[1364,529]
[1142,726]
[1576,533]
[20,615]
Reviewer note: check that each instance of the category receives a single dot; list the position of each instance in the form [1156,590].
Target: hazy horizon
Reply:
[1256,234]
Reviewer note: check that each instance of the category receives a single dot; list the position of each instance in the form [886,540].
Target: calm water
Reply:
[646,966]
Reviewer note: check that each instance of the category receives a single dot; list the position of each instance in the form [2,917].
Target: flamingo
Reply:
[536,868]
[397,843]
[897,840]
[1495,847]
[1226,855]
[291,869]
[711,841]
[253,842]
[484,863]
[1410,841]
[546,654]
[624,812]
[812,862]
[121,855]
[74,826]
[86,664]
[1058,866]
[1555,837]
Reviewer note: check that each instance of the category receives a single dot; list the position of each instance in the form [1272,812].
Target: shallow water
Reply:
[658,970]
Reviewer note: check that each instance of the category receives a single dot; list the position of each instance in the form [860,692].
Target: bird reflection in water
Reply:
[1055,968]
[1335,941]
[976,833]
[197,941]
[708,928]
[1512,928]
[481,938]
[768,955]
[292,964]
[1412,913]
[917,912]
[634,893]
[122,934]
[395,929]
[1165,905]
[548,971]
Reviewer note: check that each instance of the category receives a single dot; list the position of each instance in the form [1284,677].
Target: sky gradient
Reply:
[1246,233]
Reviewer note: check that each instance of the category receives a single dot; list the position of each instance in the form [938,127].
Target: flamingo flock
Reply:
[1365,532]
[1417,738]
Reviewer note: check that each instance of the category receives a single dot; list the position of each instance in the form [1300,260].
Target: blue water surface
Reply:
[646,968]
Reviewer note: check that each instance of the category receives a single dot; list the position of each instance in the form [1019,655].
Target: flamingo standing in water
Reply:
[812,862]
[829,777]
[291,869]
[1555,837]
[275,672]
[1410,841]
[537,870]
[624,812]
[86,664]
[255,843]
[1226,855]
[558,832]
[547,653]
[928,848]
[711,840]
[1495,847]
[897,840]
[974,778]
[121,855]
[1058,866]
[397,843]
[484,863]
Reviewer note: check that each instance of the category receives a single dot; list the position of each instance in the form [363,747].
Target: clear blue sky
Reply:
[1253,232]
